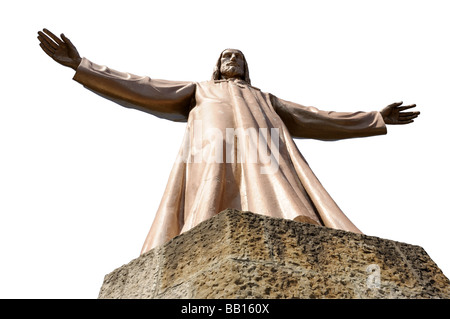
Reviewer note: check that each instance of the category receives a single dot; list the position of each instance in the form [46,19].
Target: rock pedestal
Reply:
[244,255]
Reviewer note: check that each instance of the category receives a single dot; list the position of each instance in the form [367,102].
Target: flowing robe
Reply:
[217,166]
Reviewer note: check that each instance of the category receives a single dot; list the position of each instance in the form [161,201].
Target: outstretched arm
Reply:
[61,50]
[170,100]
[310,122]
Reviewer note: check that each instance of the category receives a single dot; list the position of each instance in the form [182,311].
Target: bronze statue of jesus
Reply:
[238,149]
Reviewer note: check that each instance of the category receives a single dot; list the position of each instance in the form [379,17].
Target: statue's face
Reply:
[232,64]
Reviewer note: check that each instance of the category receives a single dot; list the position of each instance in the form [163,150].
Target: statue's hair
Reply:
[217,75]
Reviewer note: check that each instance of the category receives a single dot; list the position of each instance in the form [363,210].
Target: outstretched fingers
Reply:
[394,113]
[406,107]
[404,114]
[47,41]
[54,37]
[45,44]
[408,115]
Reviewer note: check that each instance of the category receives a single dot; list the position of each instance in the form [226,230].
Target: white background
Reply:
[81,177]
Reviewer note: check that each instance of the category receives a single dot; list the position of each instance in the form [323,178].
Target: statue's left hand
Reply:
[393,114]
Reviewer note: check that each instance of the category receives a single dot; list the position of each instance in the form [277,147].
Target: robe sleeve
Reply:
[170,100]
[310,122]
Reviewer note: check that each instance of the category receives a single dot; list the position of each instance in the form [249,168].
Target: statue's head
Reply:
[231,64]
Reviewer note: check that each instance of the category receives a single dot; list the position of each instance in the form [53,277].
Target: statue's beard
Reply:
[232,71]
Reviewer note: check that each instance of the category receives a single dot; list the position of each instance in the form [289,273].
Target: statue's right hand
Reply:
[61,50]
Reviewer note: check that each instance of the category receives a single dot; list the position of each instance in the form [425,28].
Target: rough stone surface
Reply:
[244,255]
